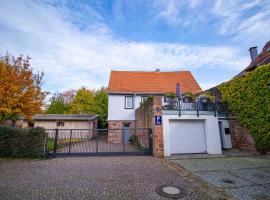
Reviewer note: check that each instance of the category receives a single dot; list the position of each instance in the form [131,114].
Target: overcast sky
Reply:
[78,43]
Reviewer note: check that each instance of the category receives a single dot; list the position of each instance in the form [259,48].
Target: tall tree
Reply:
[20,89]
[83,102]
[57,105]
[101,106]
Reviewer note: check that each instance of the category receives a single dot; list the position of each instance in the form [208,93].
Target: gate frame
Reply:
[54,153]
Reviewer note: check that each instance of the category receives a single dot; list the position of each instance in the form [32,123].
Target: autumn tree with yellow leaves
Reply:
[20,89]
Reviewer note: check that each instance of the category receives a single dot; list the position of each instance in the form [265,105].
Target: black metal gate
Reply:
[72,142]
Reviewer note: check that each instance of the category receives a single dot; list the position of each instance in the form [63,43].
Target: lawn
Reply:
[61,143]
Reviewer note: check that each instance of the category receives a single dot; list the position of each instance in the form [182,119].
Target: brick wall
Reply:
[241,136]
[115,136]
[145,118]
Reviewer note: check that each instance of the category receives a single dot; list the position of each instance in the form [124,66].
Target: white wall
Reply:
[116,107]
[226,138]
[212,136]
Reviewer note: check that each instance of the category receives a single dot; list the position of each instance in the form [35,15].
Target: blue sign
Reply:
[158,120]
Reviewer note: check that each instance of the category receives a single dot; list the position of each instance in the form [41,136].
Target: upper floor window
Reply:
[144,98]
[128,102]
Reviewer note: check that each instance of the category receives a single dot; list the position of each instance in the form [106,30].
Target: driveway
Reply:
[126,177]
[243,177]
[103,146]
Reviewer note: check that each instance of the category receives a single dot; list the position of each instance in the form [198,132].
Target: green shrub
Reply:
[134,139]
[248,98]
[21,143]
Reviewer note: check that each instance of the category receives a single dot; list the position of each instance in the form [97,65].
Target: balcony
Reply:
[196,108]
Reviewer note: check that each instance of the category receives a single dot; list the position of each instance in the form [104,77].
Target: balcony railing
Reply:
[214,107]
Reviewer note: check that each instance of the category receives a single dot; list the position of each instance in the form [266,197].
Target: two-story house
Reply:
[186,126]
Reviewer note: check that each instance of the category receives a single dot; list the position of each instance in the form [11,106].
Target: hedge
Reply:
[248,98]
[21,143]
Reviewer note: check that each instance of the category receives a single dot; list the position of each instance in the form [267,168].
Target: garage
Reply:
[187,136]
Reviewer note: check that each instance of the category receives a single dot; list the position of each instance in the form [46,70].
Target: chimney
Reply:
[253,53]
[157,70]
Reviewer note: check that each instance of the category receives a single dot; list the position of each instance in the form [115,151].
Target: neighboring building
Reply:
[65,121]
[199,129]
[257,60]
[240,136]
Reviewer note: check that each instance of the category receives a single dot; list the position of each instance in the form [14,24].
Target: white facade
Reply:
[211,131]
[116,106]
[226,141]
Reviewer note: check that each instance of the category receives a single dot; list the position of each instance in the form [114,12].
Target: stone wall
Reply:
[145,118]
[115,136]
[143,121]
[241,136]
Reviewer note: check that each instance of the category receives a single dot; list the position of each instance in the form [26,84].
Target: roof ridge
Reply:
[151,71]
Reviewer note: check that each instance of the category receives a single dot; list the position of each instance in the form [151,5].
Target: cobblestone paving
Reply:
[242,177]
[91,178]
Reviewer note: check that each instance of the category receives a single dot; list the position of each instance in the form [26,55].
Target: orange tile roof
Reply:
[151,82]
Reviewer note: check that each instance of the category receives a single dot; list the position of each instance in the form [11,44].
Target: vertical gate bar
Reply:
[123,141]
[150,138]
[215,107]
[55,141]
[97,140]
[45,144]
[198,107]
[70,136]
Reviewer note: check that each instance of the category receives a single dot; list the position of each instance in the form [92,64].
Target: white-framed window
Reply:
[128,102]
[144,98]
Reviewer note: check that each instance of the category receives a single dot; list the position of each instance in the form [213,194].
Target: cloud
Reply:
[72,56]
[244,20]
[237,20]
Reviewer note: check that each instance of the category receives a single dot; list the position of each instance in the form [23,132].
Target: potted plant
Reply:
[171,101]
[187,97]
[171,96]
[207,97]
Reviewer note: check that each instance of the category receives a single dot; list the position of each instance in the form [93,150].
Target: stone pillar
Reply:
[158,146]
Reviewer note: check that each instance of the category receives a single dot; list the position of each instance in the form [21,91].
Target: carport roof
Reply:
[73,117]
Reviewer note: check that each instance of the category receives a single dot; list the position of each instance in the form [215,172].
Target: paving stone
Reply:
[250,193]
[230,163]
[221,179]
[256,176]
[266,169]
[126,177]
[242,177]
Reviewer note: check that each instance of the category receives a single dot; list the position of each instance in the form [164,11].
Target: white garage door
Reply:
[187,137]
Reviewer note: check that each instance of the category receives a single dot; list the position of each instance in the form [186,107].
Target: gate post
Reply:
[55,141]
[123,139]
[150,141]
